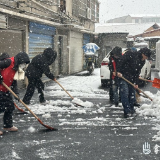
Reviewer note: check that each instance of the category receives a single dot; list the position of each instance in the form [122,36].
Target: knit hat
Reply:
[147,52]
[117,51]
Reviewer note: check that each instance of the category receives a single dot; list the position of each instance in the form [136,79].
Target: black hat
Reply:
[117,51]
[4,56]
[147,52]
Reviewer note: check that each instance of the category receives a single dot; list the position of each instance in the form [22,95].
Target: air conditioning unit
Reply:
[88,13]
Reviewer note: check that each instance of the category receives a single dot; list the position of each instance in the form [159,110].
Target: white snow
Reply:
[89,87]
[31,129]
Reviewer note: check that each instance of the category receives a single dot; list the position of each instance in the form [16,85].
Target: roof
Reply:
[131,28]
[144,15]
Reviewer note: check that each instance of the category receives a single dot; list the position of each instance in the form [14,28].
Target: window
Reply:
[63,5]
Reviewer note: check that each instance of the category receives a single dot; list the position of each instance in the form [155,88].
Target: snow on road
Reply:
[89,87]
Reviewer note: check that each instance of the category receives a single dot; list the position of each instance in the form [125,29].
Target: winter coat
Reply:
[130,66]
[40,64]
[9,67]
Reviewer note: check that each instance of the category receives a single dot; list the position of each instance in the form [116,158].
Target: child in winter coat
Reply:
[39,65]
[8,69]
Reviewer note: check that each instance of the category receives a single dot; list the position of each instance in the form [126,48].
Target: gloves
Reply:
[1,79]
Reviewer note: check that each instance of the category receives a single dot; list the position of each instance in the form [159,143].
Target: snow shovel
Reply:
[155,82]
[67,92]
[137,88]
[48,127]
[20,109]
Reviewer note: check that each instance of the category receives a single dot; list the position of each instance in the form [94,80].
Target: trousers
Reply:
[7,107]
[34,83]
[127,93]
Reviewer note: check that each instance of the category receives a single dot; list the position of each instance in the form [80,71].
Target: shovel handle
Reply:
[63,88]
[20,100]
[48,127]
[137,88]
[145,79]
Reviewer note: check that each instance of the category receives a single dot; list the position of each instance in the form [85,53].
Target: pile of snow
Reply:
[81,103]
[152,111]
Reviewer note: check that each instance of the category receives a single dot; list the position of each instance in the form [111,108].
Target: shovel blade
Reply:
[156,83]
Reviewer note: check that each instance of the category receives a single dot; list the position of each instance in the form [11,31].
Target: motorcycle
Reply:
[90,56]
[90,64]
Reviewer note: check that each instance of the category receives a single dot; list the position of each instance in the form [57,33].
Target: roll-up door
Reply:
[76,52]
[40,37]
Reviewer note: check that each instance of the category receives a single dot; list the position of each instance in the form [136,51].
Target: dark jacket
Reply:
[40,64]
[130,66]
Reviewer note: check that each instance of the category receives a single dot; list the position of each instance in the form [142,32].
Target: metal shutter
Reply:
[40,37]
[76,52]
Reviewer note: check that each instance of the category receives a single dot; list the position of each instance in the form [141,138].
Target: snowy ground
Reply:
[82,130]
[80,87]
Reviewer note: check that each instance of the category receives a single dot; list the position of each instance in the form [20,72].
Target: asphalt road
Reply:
[99,136]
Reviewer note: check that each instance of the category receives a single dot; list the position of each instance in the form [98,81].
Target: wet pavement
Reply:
[91,135]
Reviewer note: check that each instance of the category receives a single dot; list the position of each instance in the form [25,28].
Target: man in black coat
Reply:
[130,67]
[8,69]
[39,65]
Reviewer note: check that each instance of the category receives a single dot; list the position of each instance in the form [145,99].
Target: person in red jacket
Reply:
[8,69]
[114,59]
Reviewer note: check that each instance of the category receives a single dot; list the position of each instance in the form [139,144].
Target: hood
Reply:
[4,56]
[50,54]
[147,52]
[21,58]
[117,51]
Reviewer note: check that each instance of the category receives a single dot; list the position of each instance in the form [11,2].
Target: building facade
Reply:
[131,18]
[64,25]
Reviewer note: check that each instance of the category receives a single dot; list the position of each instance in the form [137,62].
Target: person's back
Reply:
[38,66]
[130,65]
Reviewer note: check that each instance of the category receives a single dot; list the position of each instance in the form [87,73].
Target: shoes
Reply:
[136,104]
[133,111]
[44,102]
[116,104]
[12,129]
[127,115]
[133,114]
[1,132]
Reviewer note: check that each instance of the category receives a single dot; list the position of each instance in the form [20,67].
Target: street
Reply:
[96,131]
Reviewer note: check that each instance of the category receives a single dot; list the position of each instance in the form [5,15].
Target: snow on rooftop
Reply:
[131,28]
[144,15]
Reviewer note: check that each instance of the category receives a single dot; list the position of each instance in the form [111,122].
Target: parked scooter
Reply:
[90,67]
[90,56]
[90,64]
